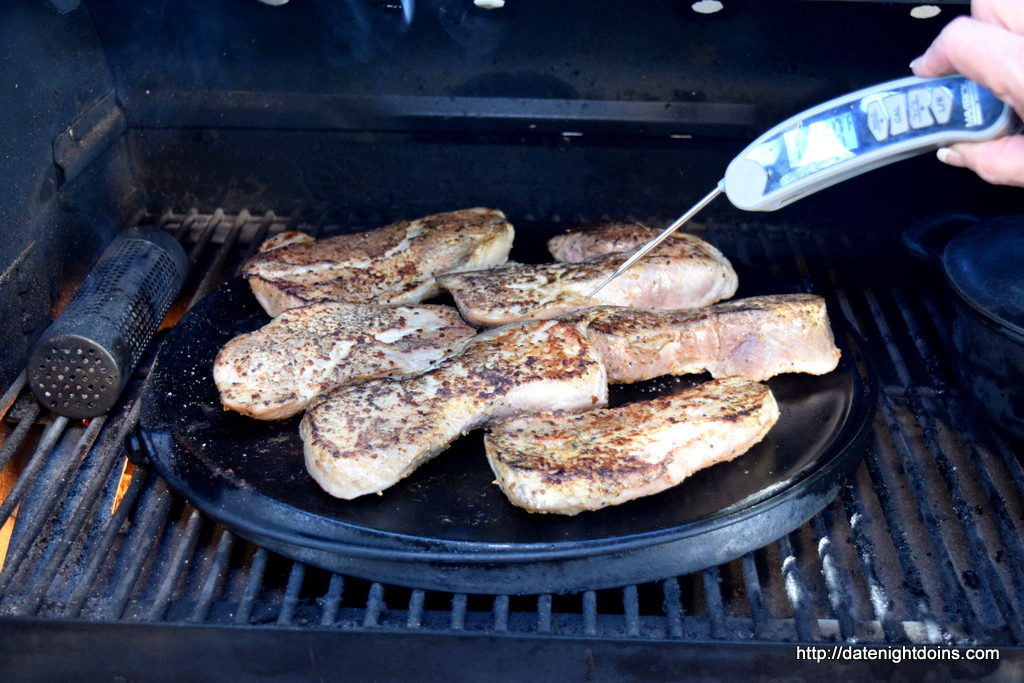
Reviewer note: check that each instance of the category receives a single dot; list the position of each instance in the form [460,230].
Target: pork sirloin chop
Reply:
[686,272]
[363,438]
[603,237]
[755,338]
[395,264]
[274,372]
[566,463]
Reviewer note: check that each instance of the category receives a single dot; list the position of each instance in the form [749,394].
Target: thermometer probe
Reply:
[847,136]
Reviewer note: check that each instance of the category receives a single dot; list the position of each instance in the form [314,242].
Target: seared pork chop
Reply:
[603,237]
[363,438]
[755,338]
[686,272]
[395,264]
[273,373]
[567,463]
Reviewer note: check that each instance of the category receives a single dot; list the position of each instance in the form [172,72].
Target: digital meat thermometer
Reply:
[847,136]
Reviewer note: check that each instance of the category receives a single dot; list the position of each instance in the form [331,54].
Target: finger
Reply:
[999,161]
[985,53]
[1006,13]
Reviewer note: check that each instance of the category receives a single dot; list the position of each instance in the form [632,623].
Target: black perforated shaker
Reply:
[82,362]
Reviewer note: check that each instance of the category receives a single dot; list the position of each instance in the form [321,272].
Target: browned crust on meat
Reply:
[567,463]
[486,378]
[364,438]
[283,239]
[394,264]
[682,272]
[273,372]
[588,240]
[756,338]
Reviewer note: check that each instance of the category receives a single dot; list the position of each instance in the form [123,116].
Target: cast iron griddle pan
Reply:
[447,526]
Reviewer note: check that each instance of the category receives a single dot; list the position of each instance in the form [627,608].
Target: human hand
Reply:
[987,47]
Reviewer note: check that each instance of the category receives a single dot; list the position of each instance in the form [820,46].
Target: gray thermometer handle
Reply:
[858,132]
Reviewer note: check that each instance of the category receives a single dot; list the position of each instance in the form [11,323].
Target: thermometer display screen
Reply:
[827,140]
[860,131]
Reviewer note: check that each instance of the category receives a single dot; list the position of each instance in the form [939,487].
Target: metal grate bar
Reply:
[56,483]
[100,552]
[878,595]
[544,613]
[631,608]
[260,235]
[903,446]
[14,440]
[857,515]
[991,593]
[142,538]
[253,582]
[414,616]
[951,590]
[834,580]
[214,274]
[915,468]
[458,615]
[320,228]
[753,592]
[9,396]
[836,583]
[673,607]
[590,613]
[997,487]
[331,602]
[972,468]
[51,434]
[796,590]
[777,603]
[85,503]
[214,577]
[186,224]
[1010,465]
[375,605]
[500,610]
[205,234]
[713,597]
[175,566]
[296,576]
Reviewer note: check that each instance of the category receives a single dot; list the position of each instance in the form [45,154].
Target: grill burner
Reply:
[923,545]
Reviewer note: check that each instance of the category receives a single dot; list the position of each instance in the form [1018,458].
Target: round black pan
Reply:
[447,526]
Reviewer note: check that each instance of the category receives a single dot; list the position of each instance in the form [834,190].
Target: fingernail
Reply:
[950,156]
[914,63]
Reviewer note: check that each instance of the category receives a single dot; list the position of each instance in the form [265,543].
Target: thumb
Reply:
[999,161]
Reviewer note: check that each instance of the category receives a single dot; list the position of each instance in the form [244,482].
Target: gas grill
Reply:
[108,572]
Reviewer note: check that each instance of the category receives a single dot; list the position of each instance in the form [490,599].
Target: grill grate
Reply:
[923,545]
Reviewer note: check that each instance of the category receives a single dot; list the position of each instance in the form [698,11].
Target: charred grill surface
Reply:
[922,546]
